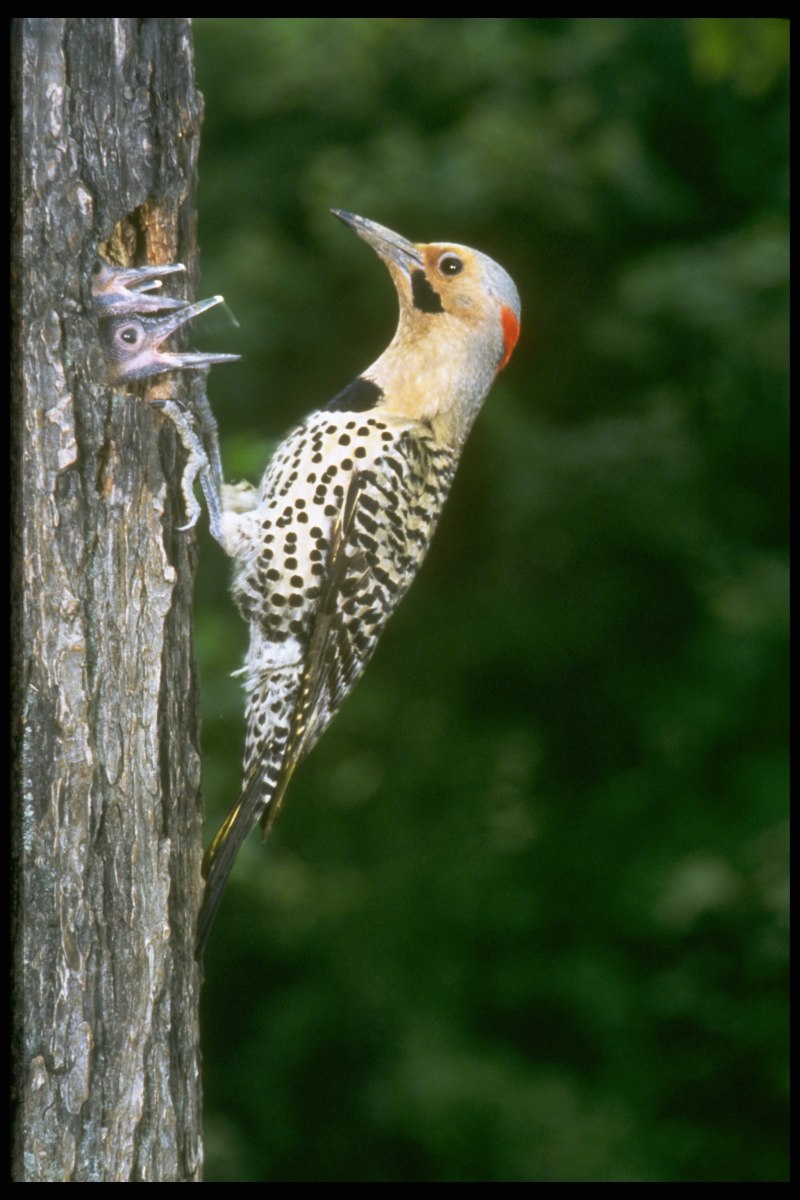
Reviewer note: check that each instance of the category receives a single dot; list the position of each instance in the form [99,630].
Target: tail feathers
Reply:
[221,854]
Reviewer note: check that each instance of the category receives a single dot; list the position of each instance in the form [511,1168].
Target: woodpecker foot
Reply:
[197,467]
[210,435]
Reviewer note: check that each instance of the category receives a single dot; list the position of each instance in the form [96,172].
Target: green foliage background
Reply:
[523,916]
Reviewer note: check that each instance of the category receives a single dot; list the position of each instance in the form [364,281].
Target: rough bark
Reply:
[107,831]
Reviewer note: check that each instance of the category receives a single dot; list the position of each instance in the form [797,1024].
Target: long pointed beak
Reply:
[389,246]
[117,290]
[132,345]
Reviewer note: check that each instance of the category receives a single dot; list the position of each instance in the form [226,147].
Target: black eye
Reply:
[129,334]
[450,264]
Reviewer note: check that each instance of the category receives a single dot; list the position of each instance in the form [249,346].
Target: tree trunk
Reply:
[108,817]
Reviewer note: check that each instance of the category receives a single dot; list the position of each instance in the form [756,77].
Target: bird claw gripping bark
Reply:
[198,466]
[134,323]
[327,546]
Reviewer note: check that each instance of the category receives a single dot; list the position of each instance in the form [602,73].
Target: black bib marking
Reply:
[359,396]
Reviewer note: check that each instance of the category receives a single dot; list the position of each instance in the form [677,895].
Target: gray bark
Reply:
[108,820]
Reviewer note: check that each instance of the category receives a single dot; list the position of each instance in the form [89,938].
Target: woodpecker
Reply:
[329,543]
[127,289]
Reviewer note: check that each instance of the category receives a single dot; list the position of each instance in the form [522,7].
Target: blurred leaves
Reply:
[523,916]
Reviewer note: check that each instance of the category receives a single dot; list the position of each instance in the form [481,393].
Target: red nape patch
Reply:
[510,325]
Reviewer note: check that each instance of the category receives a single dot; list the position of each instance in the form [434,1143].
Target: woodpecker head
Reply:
[117,290]
[132,344]
[459,323]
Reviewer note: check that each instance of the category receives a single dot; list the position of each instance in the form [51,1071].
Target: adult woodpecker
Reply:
[328,544]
